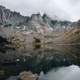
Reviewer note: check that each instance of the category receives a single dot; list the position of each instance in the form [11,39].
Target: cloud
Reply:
[64,9]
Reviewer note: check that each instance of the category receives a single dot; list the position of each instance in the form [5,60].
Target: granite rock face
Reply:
[33,22]
[8,17]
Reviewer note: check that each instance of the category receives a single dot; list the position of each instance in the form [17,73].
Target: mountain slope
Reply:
[12,18]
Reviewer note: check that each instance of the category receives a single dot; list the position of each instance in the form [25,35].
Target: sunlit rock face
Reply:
[64,73]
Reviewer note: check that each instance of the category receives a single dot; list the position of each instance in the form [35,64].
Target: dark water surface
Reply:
[38,60]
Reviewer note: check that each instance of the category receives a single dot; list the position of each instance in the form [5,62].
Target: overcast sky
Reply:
[64,9]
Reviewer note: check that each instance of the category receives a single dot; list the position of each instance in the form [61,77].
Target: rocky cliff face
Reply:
[36,21]
[8,17]
[42,24]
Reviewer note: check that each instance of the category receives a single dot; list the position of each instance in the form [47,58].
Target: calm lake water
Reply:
[62,73]
[58,63]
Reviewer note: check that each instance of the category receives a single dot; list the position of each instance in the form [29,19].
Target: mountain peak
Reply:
[2,7]
[10,17]
[45,15]
[38,15]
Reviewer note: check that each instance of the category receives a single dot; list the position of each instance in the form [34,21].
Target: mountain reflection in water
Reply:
[44,60]
[62,73]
